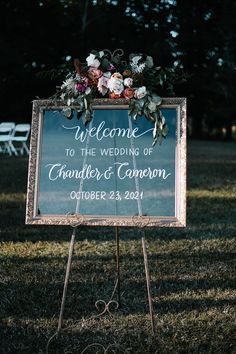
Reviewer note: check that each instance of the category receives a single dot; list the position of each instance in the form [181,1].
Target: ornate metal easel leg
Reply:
[148,284]
[118,265]
[102,306]
[68,268]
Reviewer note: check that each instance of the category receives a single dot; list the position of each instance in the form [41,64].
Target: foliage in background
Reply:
[198,36]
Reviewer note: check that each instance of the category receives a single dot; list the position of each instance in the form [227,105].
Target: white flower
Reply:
[149,62]
[136,59]
[101,54]
[107,74]
[140,92]
[88,90]
[70,101]
[78,77]
[68,84]
[116,85]
[92,61]
[137,67]
[103,83]
[128,82]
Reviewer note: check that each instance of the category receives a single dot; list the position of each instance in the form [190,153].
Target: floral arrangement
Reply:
[105,74]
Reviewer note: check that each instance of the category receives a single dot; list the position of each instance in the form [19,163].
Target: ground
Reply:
[192,271]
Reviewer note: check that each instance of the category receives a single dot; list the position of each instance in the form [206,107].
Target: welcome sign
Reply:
[107,172]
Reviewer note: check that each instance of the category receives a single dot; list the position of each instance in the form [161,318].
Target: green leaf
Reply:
[149,62]
[131,109]
[134,113]
[95,52]
[152,107]
[105,63]
[85,103]
[156,99]
[79,114]
[165,130]
[141,102]
[87,117]
[154,142]
[68,112]
[116,60]
[154,132]
[138,107]
[160,139]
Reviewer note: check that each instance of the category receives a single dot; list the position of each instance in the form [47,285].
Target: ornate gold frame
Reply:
[139,221]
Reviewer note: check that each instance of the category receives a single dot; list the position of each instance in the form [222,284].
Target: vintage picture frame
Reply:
[33,215]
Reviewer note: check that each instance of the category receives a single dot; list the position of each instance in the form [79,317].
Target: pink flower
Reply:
[85,80]
[128,82]
[103,83]
[128,93]
[114,95]
[94,73]
[111,67]
[140,92]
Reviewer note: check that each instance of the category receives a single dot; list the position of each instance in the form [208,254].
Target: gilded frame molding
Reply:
[136,221]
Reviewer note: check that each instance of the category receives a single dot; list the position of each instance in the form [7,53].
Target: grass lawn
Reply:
[192,271]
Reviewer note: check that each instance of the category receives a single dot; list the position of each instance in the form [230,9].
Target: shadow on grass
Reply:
[131,338]
[93,277]
[31,302]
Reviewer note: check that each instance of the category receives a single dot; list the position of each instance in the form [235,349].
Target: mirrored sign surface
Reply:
[106,169]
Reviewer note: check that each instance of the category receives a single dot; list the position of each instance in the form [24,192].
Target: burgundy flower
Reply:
[81,87]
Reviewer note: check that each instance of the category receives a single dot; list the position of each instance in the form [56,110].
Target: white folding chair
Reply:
[20,135]
[7,123]
[6,132]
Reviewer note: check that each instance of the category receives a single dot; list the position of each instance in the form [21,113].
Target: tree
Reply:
[206,47]
[199,36]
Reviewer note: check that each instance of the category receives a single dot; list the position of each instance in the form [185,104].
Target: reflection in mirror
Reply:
[108,167]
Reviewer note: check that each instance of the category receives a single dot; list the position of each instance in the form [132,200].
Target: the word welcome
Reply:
[100,132]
